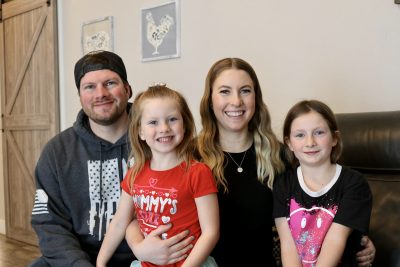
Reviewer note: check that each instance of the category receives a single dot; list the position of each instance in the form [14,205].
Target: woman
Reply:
[238,144]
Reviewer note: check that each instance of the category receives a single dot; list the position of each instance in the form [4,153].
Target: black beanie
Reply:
[100,60]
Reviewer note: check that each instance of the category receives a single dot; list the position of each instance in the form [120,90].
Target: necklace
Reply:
[239,169]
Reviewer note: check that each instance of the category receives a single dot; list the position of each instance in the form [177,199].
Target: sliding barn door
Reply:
[29,108]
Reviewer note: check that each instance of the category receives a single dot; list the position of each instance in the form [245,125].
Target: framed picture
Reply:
[160,32]
[98,35]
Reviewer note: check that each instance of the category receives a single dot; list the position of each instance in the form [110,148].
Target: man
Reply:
[79,171]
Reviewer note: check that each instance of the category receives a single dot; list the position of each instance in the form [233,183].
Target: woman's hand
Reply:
[366,256]
[156,250]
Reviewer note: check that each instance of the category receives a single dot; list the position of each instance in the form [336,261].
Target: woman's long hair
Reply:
[266,144]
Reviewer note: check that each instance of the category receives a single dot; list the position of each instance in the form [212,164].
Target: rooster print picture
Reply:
[160,32]
[156,33]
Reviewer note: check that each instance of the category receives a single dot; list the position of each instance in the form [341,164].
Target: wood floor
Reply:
[16,254]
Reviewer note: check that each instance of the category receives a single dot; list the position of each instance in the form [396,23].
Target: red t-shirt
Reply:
[162,197]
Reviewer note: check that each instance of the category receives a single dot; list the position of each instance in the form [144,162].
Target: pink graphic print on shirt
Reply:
[308,228]
[154,205]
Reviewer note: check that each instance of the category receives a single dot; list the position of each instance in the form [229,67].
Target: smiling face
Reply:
[161,125]
[233,100]
[311,140]
[103,96]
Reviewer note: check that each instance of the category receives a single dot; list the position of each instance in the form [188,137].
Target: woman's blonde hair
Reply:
[266,144]
[140,151]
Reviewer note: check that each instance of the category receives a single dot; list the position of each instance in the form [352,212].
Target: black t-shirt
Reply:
[346,200]
[245,215]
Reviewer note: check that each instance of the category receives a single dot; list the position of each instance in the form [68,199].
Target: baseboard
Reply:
[2,226]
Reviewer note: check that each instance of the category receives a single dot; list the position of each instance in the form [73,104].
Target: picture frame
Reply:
[160,31]
[98,35]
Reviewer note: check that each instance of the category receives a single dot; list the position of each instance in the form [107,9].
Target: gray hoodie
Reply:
[78,179]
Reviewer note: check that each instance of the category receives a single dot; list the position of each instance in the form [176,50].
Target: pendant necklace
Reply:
[239,166]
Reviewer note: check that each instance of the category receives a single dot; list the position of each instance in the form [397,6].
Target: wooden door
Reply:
[29,108]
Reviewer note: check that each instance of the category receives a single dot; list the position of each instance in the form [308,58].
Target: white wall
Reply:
[346,53]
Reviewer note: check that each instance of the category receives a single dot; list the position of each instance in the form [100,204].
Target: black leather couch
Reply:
[372,146]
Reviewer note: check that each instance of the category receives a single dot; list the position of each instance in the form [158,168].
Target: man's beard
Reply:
[106,120]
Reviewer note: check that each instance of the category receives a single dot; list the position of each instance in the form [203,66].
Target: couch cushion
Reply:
[371,145]
[371,140]
[385,217]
